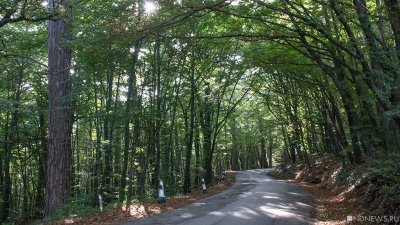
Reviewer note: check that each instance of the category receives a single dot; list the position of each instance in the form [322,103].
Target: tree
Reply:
[175,93]
[60,112]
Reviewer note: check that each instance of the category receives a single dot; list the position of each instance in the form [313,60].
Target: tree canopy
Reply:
[181,90]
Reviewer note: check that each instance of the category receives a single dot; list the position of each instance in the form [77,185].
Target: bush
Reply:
[383,192]
[75,206]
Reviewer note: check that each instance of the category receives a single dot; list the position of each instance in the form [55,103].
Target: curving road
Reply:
[254,199]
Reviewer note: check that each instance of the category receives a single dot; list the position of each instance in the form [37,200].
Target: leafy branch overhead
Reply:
[111,97]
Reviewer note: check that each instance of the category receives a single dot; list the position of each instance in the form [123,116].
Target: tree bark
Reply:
[61,115]
[197,153]
[42,156]
[207,132]
[263,157]
[107,136]
[270,146]
[128,118]
[235,144]
[158,118]
[189,132]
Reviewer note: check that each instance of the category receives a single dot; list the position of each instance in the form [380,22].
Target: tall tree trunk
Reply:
[197,154]
[128,118]
[207,133]
[137,130]
[158,118]
[42,155]
[189,132]
[270,148]
[113,156]
[263,157]
[169,150]
[178,160]
[107,147]
[235,144]
[61,115]
[97,164]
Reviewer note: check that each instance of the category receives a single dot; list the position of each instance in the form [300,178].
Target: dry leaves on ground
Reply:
[138,211]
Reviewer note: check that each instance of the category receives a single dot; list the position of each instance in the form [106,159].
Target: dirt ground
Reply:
[138,211]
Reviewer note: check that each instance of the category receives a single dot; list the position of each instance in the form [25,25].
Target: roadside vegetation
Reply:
[109,98]
[369,189]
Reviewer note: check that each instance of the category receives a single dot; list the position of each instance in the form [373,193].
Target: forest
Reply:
[102,97]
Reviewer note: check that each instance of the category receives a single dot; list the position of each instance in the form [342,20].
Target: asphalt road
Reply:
[254,199]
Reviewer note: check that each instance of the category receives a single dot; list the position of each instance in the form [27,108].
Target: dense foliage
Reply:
[180,90]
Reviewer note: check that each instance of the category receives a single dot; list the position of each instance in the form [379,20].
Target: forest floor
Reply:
[337,192]
[138,211]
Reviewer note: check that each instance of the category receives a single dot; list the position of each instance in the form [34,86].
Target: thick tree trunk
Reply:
[60,113]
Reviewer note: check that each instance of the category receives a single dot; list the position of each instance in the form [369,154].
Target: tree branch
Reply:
[13,55]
